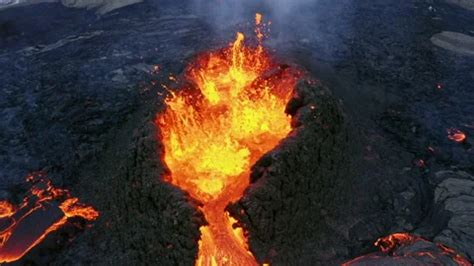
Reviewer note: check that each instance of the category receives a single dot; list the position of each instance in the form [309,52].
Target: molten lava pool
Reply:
[230,112]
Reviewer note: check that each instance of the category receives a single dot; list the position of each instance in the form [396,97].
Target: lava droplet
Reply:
[456,135]
[215,131]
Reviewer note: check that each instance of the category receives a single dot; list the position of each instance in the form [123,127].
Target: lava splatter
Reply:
[456,135]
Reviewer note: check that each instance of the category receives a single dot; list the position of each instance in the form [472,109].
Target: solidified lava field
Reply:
[378,168]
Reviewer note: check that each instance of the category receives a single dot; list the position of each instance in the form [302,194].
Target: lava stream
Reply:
[228,113]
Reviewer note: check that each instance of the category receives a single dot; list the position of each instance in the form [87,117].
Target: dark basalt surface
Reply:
[79,93]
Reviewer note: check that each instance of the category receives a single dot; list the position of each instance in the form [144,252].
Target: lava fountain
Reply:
[215,127]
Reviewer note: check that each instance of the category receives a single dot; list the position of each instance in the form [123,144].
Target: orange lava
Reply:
[456,135]
[391,242]
[43,210]
[216,127]
[460,260]
[6,209]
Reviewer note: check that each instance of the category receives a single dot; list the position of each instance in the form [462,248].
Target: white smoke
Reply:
[223,13]
[312,22]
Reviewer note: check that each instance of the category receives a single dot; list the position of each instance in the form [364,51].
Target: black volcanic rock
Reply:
[143,220]
[454,204]
[449,225]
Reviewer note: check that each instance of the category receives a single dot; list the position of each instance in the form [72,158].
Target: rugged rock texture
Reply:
[102,6]
[449,225]
[144,220]
[454,41]
[61,96]
[454,203]
[5,4]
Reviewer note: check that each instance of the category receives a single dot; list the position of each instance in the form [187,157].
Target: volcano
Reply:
[230,112]
[339,133]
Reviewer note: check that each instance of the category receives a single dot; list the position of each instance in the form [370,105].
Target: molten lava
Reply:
[456,135]
[393,241]
[43,210]
[229,113]
[390,243]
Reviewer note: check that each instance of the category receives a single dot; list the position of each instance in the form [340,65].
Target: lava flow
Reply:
[391,242]
[44,210]
[229,113]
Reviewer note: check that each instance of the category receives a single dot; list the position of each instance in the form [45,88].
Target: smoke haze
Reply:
[301,21]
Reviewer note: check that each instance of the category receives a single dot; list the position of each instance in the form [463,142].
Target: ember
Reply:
[6,209]
[393,241]
[44,210]
[456,135]
[214,131]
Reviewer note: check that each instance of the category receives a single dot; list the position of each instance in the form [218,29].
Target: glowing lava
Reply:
[43,210]
[216,127]
[391,242]
[456,135]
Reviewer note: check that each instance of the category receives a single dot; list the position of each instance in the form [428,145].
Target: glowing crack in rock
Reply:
[391,242]
[43,210]
[409,249]
[216,127]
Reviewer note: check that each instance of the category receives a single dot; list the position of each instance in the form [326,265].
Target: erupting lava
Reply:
[43,210]
[229,113]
